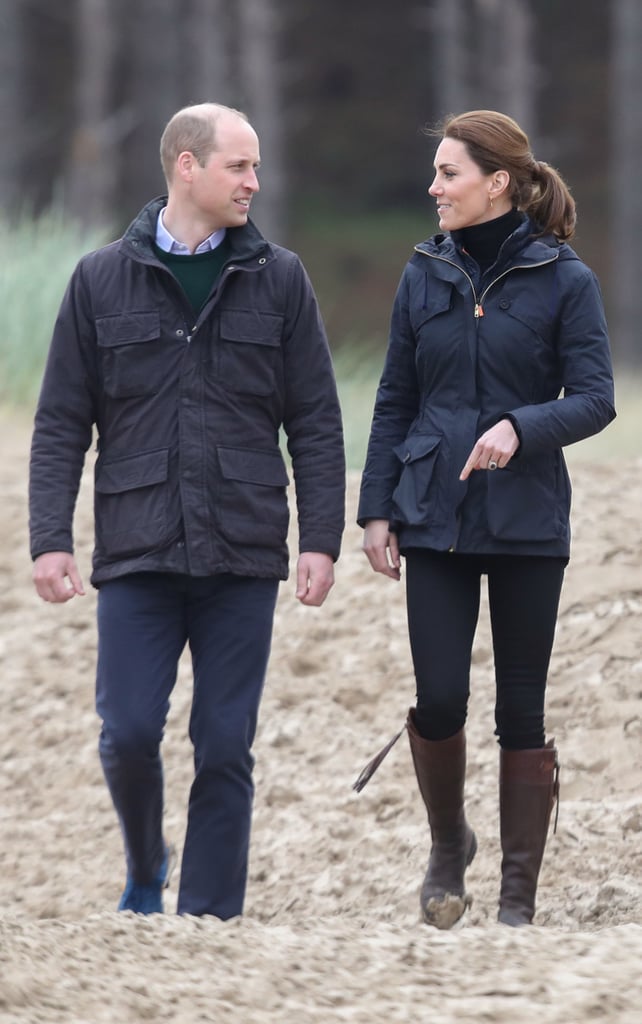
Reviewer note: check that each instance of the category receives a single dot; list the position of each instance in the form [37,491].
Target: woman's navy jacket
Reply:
[529,342]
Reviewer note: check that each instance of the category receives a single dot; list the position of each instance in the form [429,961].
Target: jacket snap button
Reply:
[504,304]
[263,260]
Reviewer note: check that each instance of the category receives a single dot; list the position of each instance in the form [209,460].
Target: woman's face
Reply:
[463,192]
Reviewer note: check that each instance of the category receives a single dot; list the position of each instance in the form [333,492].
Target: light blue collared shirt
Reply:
[168,243]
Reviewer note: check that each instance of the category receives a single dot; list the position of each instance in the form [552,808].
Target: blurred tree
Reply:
[506,65]
[208,40]
[10,115]
[483,56]
[149,88]
[624,191]
[446,23]
[92,171]
[260,30]
[574,41]
[358,92]
[37,67]
[339,93]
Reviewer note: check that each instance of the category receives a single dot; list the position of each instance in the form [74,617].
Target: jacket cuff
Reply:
[516,427]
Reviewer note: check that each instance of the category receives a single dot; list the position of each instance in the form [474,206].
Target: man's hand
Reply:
[382,548]
[56,577]
[314,577]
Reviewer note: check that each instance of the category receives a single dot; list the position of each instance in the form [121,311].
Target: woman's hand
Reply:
[382,548]
[493,450]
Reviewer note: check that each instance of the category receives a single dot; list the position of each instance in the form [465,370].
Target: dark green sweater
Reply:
[196,273]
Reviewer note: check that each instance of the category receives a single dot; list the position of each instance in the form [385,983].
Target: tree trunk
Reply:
[207,39]
[91,175]
[624,190]
[151,31]
[517,70]
[263,103]
[11,121]
[448,57]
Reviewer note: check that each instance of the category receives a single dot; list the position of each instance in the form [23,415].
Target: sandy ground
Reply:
[331,930]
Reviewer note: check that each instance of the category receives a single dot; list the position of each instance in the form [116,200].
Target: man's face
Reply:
[222,190]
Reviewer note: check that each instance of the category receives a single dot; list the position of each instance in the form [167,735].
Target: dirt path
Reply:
[331,930]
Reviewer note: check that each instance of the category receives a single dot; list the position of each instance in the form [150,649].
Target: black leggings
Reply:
[443,592]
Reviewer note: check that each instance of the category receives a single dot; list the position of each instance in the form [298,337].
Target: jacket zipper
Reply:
[219,286]
[478,311]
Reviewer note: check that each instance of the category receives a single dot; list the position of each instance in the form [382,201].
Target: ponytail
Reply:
[495,141]
[551,205]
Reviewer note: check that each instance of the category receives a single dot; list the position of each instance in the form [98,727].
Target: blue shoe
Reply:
[148,899]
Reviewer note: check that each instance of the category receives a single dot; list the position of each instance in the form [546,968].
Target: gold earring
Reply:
[490,199]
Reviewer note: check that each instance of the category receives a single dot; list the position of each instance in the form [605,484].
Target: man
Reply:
[188,344]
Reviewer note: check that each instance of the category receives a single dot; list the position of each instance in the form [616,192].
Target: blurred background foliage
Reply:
[339,94]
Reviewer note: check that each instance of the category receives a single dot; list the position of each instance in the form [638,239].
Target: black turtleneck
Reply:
[483,241]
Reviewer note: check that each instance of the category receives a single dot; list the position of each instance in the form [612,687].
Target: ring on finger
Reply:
[492,464]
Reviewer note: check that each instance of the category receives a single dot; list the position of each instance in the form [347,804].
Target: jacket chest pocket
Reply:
[437,336]
[249,357]
[129,350]
[524,323]
[431,299]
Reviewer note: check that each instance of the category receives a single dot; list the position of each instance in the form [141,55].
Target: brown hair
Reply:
[496,142]
[192,129]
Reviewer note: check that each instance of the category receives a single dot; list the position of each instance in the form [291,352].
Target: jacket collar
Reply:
[244,242]
[524,243]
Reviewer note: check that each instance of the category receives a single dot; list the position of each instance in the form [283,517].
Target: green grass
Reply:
[355,262]
[37,256]
[621,439]
[357,370]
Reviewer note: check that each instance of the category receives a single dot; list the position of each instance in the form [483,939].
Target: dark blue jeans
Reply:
[443,594]
[144,622]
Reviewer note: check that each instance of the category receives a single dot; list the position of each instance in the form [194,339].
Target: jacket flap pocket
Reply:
[128,328]
[436,298]
[439,297]
[253,467]
[126,474]
[416,447]
[537,317]
[250,325]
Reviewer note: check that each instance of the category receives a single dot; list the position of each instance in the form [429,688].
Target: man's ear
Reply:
[185,165]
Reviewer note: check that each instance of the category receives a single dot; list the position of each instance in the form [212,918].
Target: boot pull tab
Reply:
[556,792]
[371,767]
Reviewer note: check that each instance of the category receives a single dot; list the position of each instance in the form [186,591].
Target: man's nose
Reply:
[252,181]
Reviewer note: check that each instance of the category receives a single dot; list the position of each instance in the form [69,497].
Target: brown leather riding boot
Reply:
[528,789]
[440,766]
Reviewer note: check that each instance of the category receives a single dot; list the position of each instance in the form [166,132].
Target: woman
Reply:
[495,318]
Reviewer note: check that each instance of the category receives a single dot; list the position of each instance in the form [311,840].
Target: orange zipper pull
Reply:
[478,310]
